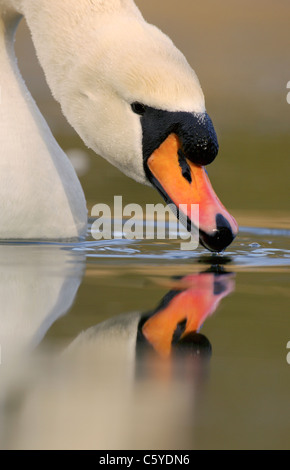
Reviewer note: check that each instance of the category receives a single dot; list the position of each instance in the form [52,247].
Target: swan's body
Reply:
[40,195]
[99,57]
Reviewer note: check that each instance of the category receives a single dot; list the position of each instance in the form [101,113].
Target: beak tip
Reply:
[221,238]
[218,241]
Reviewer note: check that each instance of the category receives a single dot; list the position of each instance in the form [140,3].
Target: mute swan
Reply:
[131,96]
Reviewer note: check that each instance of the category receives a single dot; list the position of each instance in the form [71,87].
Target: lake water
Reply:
[136,344]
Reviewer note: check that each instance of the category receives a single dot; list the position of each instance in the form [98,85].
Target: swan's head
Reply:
[135,101]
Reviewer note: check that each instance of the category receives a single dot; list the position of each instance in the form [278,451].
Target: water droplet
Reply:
[255,245]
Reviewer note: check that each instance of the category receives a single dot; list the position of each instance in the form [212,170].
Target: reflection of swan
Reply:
[180,314]
[116,388]
[37,285]
[127,91]
[183,311]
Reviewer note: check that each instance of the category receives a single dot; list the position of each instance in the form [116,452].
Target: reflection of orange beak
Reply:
[182,182]
[193,305]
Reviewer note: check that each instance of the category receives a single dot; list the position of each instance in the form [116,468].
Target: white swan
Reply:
[127,91]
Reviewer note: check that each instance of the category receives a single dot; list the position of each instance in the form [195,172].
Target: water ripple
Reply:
[254,247]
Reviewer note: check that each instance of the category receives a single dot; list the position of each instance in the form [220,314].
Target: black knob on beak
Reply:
[195,131]
[198,138]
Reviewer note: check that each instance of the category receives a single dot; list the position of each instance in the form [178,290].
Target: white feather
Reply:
[98,57]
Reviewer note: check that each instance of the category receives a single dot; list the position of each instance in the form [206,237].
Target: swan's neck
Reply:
[40,195]
[63,32]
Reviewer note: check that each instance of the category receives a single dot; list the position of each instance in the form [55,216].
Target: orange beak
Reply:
[183,183]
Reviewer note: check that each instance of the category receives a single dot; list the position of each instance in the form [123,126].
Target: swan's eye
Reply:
[138,108]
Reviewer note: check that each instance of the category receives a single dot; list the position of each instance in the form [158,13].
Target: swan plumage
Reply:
[99,57]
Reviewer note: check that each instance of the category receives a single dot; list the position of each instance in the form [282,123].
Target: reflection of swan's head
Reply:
[172,329]
[115,385]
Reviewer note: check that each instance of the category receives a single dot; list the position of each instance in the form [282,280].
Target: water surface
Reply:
[136,344]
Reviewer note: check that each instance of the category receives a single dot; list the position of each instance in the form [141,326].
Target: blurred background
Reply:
[240,52]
